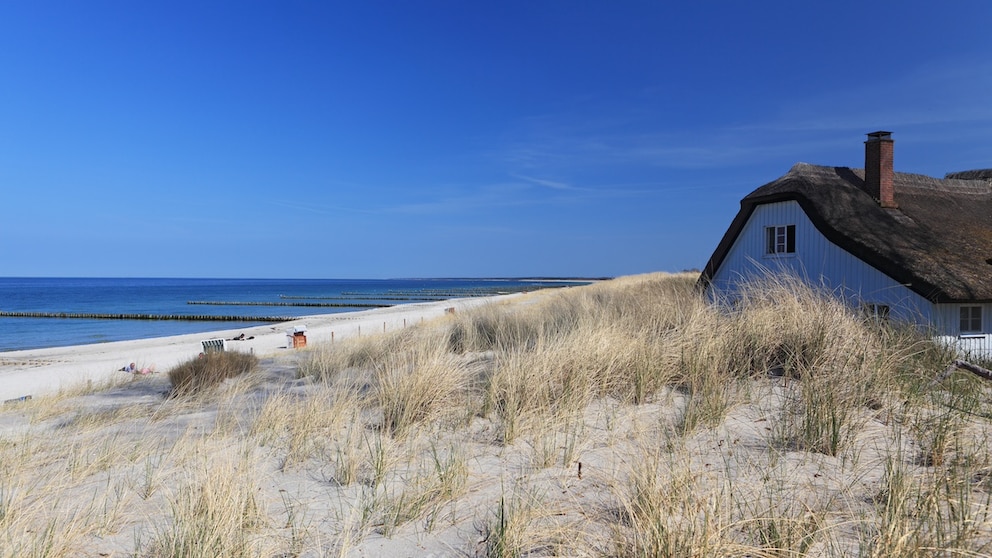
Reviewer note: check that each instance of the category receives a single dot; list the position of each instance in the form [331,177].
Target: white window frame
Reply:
[778,240]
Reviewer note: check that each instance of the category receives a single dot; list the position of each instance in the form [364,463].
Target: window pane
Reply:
[971,319]
[780,240]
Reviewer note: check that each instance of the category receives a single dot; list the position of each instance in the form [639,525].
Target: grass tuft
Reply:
[199,374]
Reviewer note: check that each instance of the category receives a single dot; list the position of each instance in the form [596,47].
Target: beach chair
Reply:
[214,345]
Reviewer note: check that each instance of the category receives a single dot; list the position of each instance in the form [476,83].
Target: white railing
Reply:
[970,345]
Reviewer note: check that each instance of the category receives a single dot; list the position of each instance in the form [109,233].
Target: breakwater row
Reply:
[445,294]
[133,308]
[301,304]
[180,317]
[356,297]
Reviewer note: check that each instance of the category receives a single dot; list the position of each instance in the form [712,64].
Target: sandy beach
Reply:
[43,371]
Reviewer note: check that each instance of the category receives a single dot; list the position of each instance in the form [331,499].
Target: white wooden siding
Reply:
[948,318]
[970,345]
[817,260]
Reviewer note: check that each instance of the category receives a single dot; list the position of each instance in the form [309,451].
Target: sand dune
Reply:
[623,419]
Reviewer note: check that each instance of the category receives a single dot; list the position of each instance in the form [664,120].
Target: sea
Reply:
[142,308]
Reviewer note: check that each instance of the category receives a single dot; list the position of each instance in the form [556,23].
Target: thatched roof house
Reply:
[917,245]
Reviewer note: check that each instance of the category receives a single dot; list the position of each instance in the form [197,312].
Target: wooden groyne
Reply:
[460,293]
[355,297]
[303,304]
[443,295]
[180,317]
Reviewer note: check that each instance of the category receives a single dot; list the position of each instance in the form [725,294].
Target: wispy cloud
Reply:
[687,150]
[467,199]
[470,198]
[543,182]
[322,209]
[945,93]
[613,152]
[943,100]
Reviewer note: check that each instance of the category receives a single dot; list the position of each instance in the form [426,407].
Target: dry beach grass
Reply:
[625,418]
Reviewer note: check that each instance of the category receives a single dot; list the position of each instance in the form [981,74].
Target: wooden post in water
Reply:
[384,327]
[332,337]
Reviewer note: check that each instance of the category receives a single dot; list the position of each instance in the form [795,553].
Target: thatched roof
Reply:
[980,174]
[938,242]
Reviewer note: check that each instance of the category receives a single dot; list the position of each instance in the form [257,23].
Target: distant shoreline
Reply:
[35,372]
[59,312]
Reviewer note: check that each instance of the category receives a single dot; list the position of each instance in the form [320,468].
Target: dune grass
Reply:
[208,370]
[624,418]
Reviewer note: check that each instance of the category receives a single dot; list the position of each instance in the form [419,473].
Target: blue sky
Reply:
[429,139]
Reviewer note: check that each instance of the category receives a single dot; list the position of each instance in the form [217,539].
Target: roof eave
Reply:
[723,248]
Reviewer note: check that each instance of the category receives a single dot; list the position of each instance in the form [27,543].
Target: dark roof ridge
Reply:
[903,180]
[976,174]
[810,168]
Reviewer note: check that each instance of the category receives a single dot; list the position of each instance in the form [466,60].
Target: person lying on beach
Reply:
[133,369]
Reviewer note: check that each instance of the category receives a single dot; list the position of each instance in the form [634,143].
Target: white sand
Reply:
[38,371]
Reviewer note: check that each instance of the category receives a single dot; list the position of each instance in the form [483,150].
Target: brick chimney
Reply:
[878,168]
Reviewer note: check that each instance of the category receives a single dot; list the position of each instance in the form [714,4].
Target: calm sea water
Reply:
[171,297]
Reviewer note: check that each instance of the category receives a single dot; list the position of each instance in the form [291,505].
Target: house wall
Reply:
[948,319]
[817,260]
[948,316]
